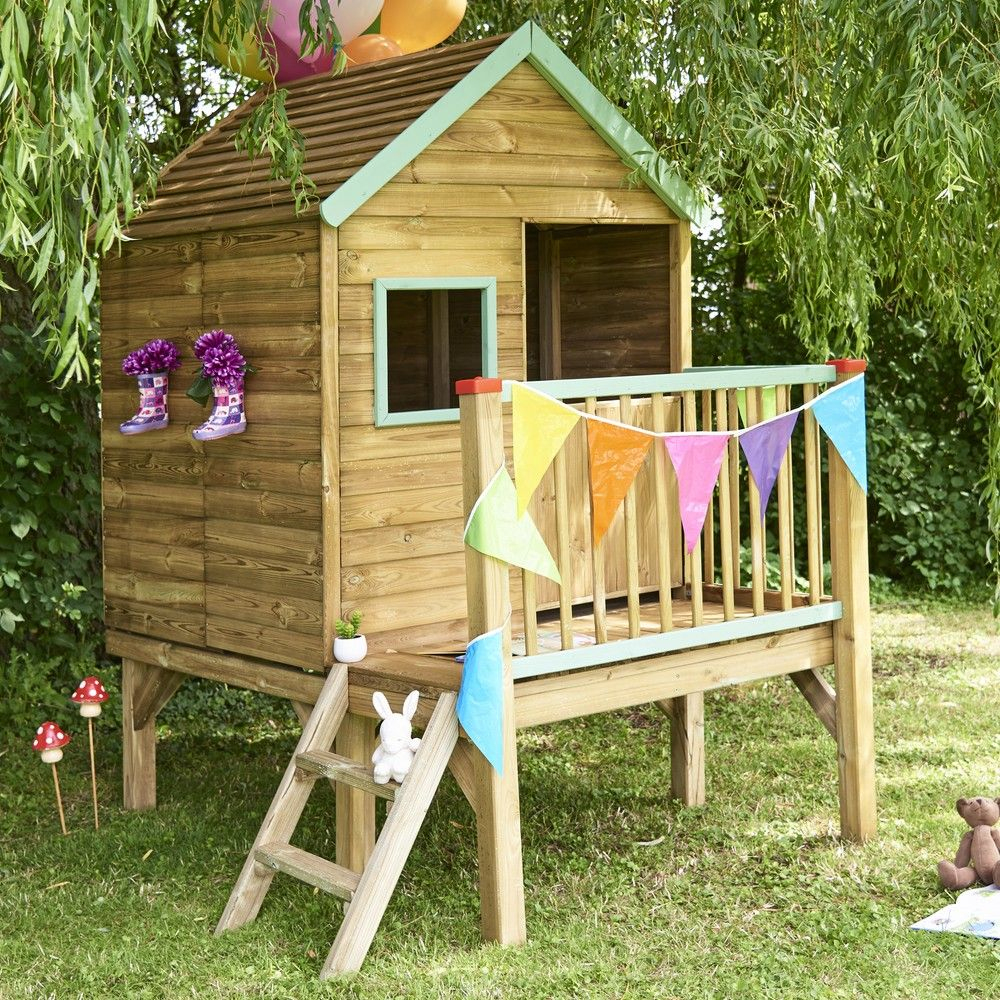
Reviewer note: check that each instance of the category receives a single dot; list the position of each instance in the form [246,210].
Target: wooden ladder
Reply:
[368,893]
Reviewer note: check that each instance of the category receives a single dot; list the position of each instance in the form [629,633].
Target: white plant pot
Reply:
[350,650]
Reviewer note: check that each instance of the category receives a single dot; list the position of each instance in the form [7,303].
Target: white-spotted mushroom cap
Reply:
[89,691]
[49,736]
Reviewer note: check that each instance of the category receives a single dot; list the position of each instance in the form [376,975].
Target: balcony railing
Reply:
[637,593]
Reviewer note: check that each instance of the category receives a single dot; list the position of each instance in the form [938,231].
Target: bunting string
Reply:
[499,524]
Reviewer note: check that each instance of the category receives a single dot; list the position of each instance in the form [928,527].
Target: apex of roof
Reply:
[356,144]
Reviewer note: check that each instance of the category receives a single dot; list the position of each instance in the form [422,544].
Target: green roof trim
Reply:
[529,43]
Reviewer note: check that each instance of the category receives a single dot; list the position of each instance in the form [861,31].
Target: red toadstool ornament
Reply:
[50,740]
[89,694]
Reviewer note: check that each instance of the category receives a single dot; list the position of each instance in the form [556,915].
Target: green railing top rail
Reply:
[690,380]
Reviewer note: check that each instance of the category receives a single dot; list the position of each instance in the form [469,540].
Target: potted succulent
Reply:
[349,646]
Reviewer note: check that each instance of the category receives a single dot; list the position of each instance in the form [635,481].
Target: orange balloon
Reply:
[369,49]
[416,25]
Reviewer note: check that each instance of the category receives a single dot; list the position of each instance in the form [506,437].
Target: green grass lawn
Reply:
[629,895]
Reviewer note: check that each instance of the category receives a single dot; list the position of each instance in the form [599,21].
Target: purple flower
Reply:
[134,362]
[210,340]
[153,356]
[224,364]
[161,356]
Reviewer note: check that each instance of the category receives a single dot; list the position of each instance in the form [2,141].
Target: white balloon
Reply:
[353,16]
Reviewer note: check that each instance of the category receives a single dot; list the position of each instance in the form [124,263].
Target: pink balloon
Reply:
[350,16]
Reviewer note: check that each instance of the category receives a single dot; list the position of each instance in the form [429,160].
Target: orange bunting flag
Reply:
[541,425]
[616,454]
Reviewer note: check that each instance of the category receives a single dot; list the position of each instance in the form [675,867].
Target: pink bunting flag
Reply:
[696,459]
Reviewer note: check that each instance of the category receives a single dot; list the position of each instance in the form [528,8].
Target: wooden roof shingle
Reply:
[345,121]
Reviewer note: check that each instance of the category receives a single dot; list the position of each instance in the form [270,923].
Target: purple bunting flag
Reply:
[764,447]
[696,459]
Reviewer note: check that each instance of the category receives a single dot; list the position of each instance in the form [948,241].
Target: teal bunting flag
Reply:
[840,411]
[480,696]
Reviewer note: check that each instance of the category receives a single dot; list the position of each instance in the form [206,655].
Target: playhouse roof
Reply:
[363,127]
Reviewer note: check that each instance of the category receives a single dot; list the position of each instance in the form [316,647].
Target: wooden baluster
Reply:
[734,483]
[564,556]
[708,534]
[597,565]
[661,461]
[631,538]
[725,511]
[530,602]
[758,567]
[693,561]
[814,501]
[786,559]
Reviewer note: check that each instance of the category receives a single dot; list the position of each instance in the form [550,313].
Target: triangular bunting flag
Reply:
[696,459]
[616,453]
[769,404]
[480,697]
[495,529]
[841,413]
[764,447]
[541,425]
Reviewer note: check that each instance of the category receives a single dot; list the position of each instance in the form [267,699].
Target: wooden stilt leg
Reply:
[498,810]
[355,807]
[852,645]
[687,749]
[138,745]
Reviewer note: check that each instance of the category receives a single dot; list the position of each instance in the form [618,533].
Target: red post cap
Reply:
[478,385]
[848,366]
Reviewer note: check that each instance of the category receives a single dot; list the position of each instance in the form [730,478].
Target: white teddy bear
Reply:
[393,758]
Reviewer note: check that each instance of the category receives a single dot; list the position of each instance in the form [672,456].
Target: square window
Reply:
[429,333]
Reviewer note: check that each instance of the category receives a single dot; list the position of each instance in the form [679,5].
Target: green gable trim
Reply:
[608,122]
[529,43]
[381,287]
[410,143]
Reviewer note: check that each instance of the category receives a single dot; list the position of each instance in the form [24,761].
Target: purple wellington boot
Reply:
[152,413]
[228,414]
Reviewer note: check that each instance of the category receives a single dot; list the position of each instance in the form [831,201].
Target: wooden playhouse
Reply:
[485,212]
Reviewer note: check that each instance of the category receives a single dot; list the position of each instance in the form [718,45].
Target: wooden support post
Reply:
[852,642]
[501,877]
[355,807]
[145,690]
[687,749]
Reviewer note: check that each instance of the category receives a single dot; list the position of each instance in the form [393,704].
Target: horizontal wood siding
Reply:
[521,154]
[218,544]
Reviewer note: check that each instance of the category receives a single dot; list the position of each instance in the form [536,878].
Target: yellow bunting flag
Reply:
[616,454]
[541,425]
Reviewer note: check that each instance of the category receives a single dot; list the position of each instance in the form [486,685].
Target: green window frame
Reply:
[380,316]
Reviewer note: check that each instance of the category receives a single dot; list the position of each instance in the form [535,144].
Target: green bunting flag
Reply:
[495,529]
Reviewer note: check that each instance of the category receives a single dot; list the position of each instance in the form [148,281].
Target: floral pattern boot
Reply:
[152,413]
[228,414]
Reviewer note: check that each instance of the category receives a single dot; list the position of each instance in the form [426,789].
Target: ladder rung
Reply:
[322,763]
[306,867]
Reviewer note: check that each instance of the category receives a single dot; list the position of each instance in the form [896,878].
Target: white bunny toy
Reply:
[393,758]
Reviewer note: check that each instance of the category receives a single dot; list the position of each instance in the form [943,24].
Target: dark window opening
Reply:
[597,300]
[433,339]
